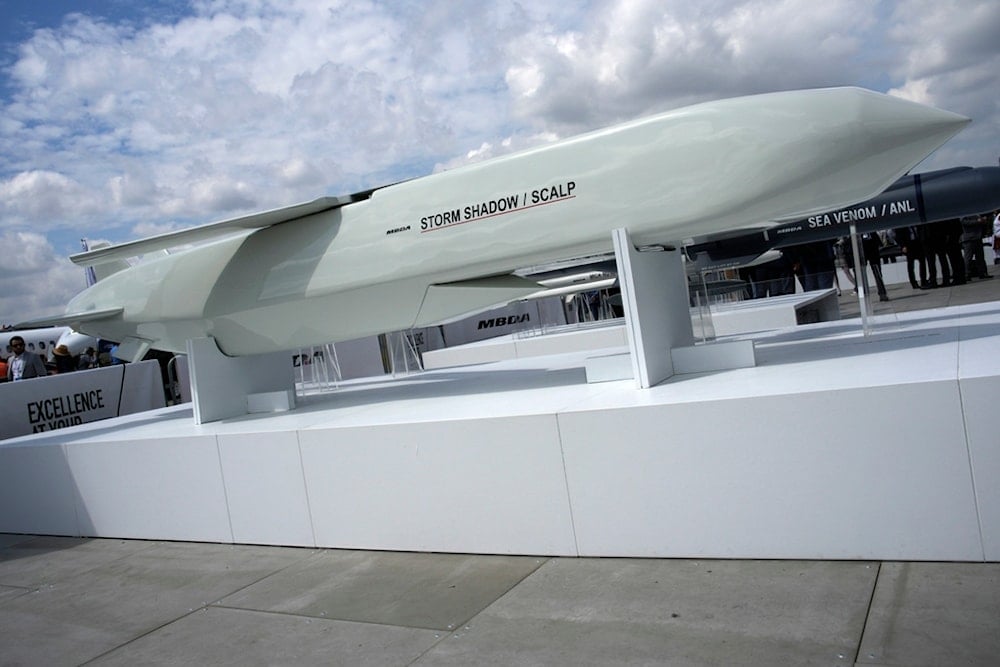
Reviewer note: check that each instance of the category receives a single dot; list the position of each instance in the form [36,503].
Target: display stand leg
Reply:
[223,387]
[658,323]
[861,281]
[657,316]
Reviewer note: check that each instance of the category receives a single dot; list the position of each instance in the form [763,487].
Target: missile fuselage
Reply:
[433,248]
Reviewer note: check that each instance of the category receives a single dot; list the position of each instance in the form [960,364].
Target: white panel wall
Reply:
[871,473]
[166,489]
[265,488]
[981,403]
[979,370]
[37,494]
[487,485]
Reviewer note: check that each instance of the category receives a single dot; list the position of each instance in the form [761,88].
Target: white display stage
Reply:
[775,312]
[835,446]
[723,319]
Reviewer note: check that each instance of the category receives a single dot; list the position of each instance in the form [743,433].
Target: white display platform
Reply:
[739,317]
[835,446]
[568,338]
[775,312]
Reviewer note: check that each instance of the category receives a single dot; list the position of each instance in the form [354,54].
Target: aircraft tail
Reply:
[101,271]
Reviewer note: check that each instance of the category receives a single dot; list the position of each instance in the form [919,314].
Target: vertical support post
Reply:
[655,299]
[860,280]
[223,387]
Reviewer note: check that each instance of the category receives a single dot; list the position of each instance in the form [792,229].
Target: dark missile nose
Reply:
[965,192]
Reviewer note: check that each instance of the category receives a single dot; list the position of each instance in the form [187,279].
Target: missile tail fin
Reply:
[99,272]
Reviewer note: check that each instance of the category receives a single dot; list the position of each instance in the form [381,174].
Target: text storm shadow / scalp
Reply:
[498,206]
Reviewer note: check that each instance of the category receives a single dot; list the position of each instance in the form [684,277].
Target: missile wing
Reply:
[433,248]
[108,253]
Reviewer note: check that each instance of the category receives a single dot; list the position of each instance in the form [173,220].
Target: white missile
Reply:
[422,251]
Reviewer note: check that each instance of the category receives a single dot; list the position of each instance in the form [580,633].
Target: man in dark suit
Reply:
[909,240]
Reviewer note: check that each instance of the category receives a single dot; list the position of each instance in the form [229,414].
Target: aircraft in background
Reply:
[40,341]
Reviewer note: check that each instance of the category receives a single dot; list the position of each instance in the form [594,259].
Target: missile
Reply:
[912,200]
[431,249]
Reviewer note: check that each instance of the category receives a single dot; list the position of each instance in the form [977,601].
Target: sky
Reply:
[123,119]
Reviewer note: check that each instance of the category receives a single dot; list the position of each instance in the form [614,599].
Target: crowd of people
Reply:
[955,247]
[938,254]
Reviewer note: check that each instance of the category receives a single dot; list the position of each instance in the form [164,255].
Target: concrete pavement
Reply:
[69,601]
[903,298]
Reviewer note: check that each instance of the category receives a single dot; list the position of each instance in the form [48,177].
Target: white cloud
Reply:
[25,253]
[915,91]
[145,229]
[36,281]
[132,189]
[45,196]
[635,56]
[948,57]
[233,93]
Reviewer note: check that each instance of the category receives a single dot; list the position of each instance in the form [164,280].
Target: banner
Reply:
[46,404]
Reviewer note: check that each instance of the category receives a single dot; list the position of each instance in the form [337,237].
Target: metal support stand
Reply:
[861,281]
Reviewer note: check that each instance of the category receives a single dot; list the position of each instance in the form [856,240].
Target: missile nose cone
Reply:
[984,189]
[989,178]
[893,123]
[880,137]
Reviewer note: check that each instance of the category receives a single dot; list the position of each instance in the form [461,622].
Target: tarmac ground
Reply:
[903,298]
[76,601]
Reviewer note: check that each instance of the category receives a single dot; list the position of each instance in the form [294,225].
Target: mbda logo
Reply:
[503,321]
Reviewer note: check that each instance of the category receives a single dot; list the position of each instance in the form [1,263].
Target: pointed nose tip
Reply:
[907,114]
[904,130]
[945,119]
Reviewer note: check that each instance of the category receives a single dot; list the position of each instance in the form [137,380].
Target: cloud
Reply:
[949,58]
[25,253]
[636,56]
[45,196]
[240,93]
[36,281]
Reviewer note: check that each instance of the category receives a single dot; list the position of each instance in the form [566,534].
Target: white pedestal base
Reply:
[833,447]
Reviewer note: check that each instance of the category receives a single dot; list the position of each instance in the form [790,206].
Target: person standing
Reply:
[87,360]
[23,365]
[953,247]
[64,359]
[871,244]
[996,238]
[973,231]
[909,241]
